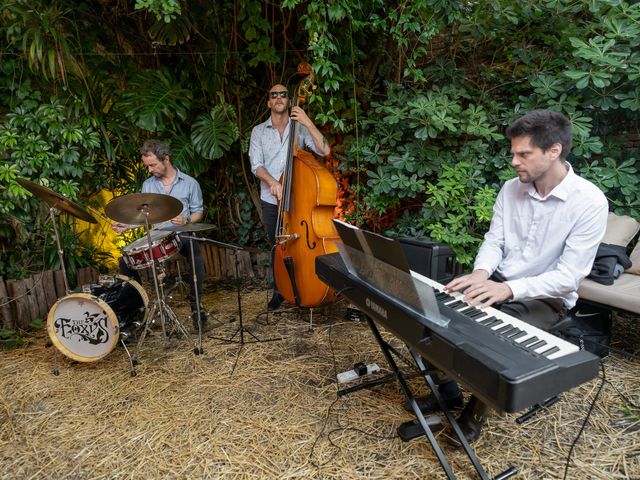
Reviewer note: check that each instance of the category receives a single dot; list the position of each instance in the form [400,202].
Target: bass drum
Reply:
[86,326]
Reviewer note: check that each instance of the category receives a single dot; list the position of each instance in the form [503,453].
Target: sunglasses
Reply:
[282,94]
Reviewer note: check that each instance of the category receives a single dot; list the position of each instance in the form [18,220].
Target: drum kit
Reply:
[87,326]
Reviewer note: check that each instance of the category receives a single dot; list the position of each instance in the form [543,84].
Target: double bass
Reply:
[304,229]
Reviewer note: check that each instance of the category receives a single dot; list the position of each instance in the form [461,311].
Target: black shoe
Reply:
[471,421]
[275,302]
[204,317]
[430,404]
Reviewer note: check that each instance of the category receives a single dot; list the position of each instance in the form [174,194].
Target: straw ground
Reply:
[270,410]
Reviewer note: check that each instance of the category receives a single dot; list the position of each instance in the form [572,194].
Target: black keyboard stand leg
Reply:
[371,383]
[537,408]
[454,424]
[450,418]
[407,391]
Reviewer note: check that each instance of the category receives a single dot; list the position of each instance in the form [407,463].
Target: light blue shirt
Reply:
[184,188]
[268,150]
[545,247]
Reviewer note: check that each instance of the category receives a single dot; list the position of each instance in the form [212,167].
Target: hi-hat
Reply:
[57,200]
[132,209]
[187,227]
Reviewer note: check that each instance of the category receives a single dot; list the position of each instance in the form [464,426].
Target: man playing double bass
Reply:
[268,154]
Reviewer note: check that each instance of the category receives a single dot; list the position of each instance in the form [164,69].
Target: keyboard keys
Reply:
[529,341]
[537,345]
[519,332]
[549,351]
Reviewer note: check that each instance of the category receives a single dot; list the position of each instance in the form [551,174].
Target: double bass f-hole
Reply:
[304,224]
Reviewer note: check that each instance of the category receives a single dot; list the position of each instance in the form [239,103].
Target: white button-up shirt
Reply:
[267,149]
[545,247]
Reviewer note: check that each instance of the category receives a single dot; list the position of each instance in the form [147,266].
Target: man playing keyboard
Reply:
[546,227]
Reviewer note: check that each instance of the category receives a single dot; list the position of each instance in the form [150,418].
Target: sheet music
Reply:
[380,261]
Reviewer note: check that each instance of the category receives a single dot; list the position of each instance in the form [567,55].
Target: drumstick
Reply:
[106,219]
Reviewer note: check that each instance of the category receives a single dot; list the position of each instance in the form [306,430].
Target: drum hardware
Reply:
[57,203]
[145,209]
[198,350]
[187,227]
[178,283]
[241,330]
[192,227]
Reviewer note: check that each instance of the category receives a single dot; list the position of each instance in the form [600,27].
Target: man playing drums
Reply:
[168,180]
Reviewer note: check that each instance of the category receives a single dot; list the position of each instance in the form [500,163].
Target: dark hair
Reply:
[159,148]
[544,127]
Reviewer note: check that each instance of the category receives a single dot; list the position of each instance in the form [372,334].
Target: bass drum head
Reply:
[83,327]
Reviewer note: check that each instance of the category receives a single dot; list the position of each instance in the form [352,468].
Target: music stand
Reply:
[241,330]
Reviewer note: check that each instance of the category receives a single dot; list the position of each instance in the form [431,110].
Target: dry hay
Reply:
[270,410]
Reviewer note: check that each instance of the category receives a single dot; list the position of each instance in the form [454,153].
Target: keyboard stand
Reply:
[387,350]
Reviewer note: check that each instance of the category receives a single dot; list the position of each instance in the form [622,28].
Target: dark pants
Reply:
[185,251]
[270,220]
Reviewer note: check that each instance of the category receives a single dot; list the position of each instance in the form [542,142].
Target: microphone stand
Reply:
[241,330]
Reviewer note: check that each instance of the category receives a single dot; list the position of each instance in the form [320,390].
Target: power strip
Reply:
[351,375]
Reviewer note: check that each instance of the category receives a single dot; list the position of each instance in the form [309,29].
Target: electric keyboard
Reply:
[506,362]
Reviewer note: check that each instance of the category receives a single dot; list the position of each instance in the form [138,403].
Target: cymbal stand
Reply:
[179,284]
[53,211]
[159,305]
[198,350]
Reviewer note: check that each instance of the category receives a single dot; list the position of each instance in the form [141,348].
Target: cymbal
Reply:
[187,227]
[133,208]
[57,200]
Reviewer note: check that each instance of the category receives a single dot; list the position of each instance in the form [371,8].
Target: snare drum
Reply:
[86,326]
[164,245]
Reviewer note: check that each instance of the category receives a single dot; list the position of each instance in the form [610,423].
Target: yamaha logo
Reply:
[376,308]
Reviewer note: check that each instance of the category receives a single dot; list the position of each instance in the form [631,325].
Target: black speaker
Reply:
[431,259]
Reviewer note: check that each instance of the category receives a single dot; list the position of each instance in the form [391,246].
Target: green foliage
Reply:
[44,141]
[174,32]
[154,101]
[427,158]
[633,412]
[618,181]
[10,339]
[214,133]
[41,32]
[53,145]
[248,229]
[458,209]
[165,10]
